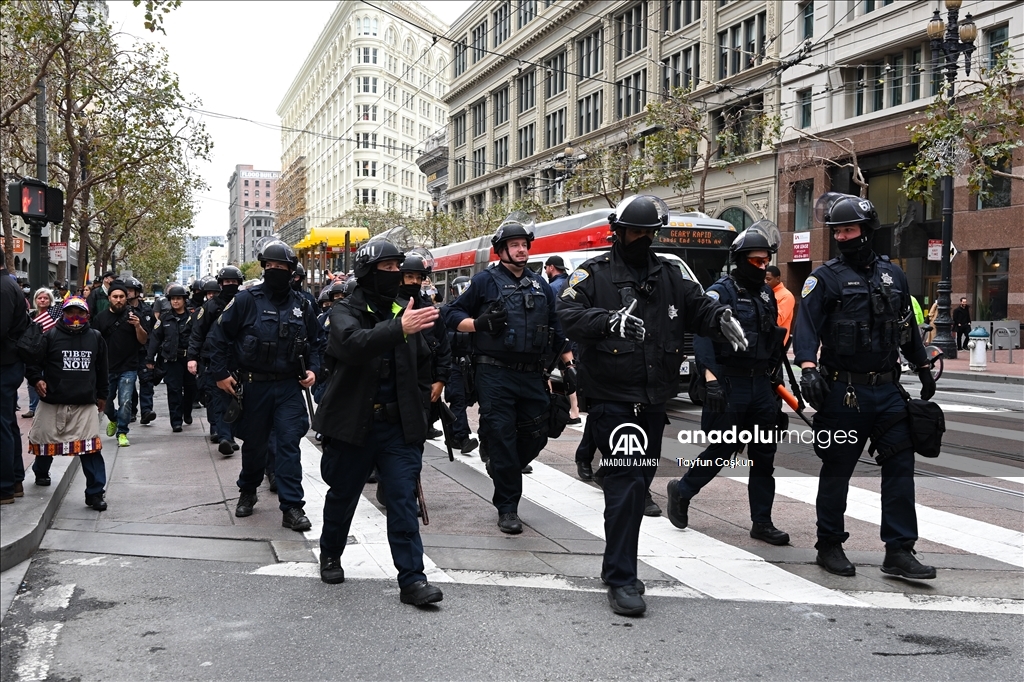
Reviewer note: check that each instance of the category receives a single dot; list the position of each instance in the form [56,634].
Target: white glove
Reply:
[627,326]
[732,331]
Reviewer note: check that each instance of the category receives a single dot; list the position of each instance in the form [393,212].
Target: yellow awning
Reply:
[334,236]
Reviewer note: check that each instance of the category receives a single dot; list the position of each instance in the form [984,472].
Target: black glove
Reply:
[813,387]
[571,379]
[624,325]
[492,321]
[715,398]
[927,383]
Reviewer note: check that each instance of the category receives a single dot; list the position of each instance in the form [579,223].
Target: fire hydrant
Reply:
[978,346]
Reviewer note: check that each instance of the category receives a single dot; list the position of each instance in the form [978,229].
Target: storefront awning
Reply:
[333,236]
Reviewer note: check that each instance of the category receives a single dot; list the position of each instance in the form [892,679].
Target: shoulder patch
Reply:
[712,294]
[809,285]
[230,303]
[569,292]
[157,325]
[578,276]
[200,315]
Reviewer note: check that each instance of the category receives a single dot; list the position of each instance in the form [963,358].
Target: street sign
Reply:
[58,251]
[952,251]
[934,249]
[801,246]
[19,245]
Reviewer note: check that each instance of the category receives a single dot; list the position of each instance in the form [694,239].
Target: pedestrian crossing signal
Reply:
[35,201]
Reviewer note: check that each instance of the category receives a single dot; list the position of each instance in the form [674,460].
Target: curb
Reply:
[981,376]
[24,527]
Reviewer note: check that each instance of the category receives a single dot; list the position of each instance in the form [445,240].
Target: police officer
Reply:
[739,386]
[198,295]
[169,341]
[455,391]
[628,310]
[142,396]
[200,347]
[374,413]
[298,278]
[858,307]
[511,311]
[415,269]
[271,331]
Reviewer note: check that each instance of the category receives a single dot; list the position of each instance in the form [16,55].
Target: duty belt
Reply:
[749,373]
[386,412]
[256,376]
[869,379]
[515,366]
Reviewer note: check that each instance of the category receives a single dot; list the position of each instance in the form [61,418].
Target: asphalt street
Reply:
[168,584]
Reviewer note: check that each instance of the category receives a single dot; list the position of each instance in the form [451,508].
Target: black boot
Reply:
[331,571]
[651,507]
[585,471]
[626,601]
[833,559]
[420,593]
[769,533]
[678,508]
[246,501]
[901,561]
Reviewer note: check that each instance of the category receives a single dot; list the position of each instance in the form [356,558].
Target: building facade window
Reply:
[630,31]
[459,50]
[589,113]
[589,54]
[803,108]
[554,68]
[459,130]
[527,12]
[804,214]
[479,35]
[631,94]
[992,293]
[479,162]
[526,141]
[741,46]
[459,170]
[807,20]
[526,86]
[682,69]
[996,192]
[501,152]
[554,128]
[678,13]
[998,41]
[501,106]
[480,118]
[502,22]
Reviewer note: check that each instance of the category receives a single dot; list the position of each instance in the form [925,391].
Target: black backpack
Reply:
[927,423]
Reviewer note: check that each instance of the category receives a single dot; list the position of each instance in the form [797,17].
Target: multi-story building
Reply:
[434,164]
[258,223]
[211,260]
[529,79]
[248,190]
[359,110]
[867,77]
[191,263]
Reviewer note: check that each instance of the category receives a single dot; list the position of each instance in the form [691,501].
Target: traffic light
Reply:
[35,201]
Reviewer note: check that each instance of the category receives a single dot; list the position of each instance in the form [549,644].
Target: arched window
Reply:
[408,48]
[389,36]
[739,218]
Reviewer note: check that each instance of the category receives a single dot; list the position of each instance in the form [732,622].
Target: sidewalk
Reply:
[997,372]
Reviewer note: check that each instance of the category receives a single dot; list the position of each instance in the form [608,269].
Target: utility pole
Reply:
[39,231]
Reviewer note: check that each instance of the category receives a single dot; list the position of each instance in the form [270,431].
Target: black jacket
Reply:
[440,348]
[202,322]
[613,368]
[357,342]
[962,317]
[169,338]
[74,366]
[14,319]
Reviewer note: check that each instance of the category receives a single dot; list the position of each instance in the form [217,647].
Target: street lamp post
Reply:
[566,163]
[950,40]
[433,238]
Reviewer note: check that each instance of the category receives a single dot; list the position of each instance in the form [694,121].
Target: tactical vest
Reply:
[527,332]
[276,339]
[177,329]
[866,325]
[758,314]
[214,307]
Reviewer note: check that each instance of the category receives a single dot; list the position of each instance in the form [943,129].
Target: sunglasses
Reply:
[759,262]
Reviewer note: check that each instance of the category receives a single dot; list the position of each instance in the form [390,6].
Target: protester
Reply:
[124,334]
[46,315]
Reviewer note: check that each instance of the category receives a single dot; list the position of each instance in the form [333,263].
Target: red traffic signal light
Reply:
[35,201]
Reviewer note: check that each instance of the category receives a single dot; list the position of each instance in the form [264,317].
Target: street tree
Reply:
[973,135]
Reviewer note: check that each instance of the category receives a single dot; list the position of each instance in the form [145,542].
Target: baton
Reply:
[793,403]
[423,502]
[447,419]
[305,390]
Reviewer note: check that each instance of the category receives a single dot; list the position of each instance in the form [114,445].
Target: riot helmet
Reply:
[176,290]
[300,271]
[835,209]
[518,225]
[459,285]
[210,284]
[132,283]
[761,236]
[373,252]
[325,295]
[350,286]
[280,252]
[230,272]
[641,211]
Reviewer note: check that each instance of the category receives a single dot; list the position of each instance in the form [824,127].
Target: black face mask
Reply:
[749,275]
[410,290]
[857,251]
[635,253]
[276,281]
[382,284]
[228,291]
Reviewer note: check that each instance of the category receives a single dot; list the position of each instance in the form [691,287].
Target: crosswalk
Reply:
[697,565]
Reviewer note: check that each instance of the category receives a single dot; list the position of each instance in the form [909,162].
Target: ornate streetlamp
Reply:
[950,40]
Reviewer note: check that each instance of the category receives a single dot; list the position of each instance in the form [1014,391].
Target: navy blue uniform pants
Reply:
[93,467]
[835,422]
[514,405]
[455,395]
[142,397]
[345,467]
[751,401]
[12,466]
[625,487]
[587,447]
[276,407]
[181,391]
